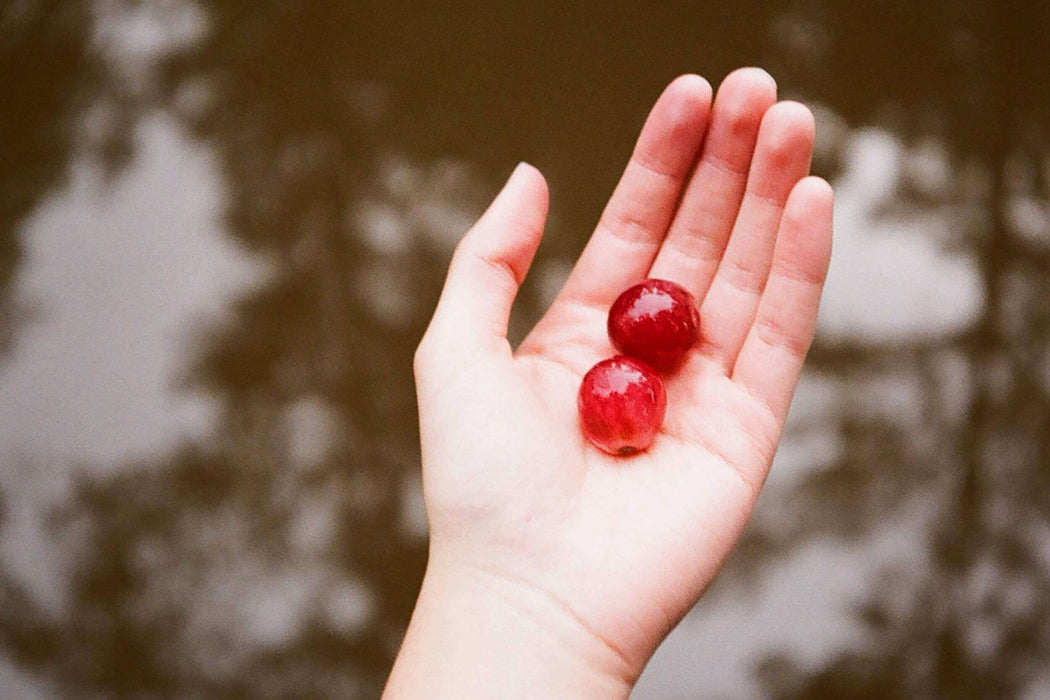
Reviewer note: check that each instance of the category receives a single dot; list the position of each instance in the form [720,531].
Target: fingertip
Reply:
[691,86]
[786,137]
[812,196]
[742,100]
[534,180]
[681,109]
[821,187]
[526,175]
[790,119]
[527,171]
[521,204]
[751,79]
[808,222]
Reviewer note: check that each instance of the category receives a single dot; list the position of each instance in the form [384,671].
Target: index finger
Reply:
[640,210]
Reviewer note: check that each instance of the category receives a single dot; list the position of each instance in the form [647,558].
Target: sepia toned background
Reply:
[224,224]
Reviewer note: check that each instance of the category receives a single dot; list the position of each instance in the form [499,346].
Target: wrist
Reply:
[480,634]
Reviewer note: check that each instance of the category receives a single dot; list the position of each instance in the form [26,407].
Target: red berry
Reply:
[622,403]
[655,321]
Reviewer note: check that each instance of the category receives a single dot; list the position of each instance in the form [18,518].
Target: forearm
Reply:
[473,636]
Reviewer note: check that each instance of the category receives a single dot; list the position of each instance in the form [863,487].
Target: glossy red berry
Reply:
[621,403]
[655,321]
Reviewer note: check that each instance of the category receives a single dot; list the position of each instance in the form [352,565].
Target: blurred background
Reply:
[223,227]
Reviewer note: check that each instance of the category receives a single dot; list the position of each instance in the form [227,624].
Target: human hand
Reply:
[558,543]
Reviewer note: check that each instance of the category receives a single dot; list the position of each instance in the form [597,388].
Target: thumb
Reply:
[490,263]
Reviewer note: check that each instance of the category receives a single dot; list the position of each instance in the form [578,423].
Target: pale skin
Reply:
[556,570]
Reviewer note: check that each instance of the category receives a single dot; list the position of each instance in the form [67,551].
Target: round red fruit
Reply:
[622,403]
[655,321]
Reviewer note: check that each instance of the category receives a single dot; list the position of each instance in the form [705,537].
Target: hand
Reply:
[600,556]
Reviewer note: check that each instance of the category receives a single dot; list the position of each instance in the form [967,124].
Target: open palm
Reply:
[715,199]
